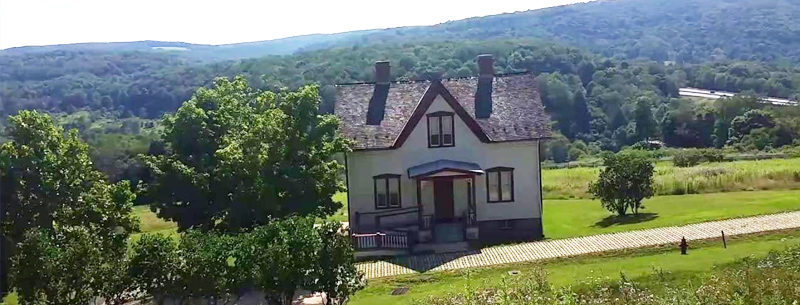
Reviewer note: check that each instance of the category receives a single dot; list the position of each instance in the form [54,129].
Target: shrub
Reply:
[575,154]
[687,158]
[625,181]
[154,266]
[712,155]
[338,277]
[691,157]
[277,258]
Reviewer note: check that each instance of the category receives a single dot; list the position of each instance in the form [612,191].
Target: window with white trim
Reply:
[500,184]
[387,191]
[441,131]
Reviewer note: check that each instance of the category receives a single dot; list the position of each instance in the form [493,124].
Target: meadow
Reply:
[773,174]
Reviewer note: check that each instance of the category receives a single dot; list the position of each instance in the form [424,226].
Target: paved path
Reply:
[576,246]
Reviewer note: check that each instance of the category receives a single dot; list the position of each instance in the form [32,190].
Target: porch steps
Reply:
[448,233]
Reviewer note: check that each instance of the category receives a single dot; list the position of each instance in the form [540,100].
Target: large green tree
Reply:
[48,185]
[741,126]
[643,116]
[238,157]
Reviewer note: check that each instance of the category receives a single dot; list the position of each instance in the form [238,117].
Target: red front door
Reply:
[443,200]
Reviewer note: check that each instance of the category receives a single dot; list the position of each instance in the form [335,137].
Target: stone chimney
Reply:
[377,104]
[483,95]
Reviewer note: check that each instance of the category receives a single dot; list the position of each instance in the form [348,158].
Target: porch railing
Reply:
[427,222]
[470,218]
[376,241]
[379,216]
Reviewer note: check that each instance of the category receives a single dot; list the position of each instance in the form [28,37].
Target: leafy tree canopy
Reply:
[626,180]
[47,179]
[67,226]
[238,156]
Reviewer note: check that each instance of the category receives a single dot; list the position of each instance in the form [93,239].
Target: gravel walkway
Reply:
[577,246]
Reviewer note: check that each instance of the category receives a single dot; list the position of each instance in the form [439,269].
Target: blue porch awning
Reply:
[432,168]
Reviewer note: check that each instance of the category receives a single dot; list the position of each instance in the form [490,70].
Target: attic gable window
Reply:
[441,131]
[387,191]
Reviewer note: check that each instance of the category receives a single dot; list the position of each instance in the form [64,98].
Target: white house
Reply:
[445,161]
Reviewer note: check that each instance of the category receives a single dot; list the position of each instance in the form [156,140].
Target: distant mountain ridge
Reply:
[282,46]
[663,30]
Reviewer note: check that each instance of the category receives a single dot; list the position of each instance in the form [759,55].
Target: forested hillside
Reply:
[617,89]
[679,30]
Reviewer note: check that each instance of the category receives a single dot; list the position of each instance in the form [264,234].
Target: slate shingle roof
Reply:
[517,111]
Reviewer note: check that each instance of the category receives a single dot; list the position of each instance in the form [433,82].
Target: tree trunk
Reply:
[622,209]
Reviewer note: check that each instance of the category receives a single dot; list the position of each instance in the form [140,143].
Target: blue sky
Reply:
[46,22]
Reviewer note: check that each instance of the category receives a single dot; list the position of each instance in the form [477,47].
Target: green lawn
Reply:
[340,215]
[634,264]
[150,223]
[570,218]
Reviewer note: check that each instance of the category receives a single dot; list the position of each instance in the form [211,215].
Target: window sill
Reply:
[503,201]
[441,146]
[388,208]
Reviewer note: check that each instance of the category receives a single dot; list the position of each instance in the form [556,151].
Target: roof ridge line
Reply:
[415,81]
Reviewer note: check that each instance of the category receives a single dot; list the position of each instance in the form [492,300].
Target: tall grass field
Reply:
[774,174]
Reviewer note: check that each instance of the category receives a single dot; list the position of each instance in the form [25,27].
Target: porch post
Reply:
[424,233]
[419,203]
[473,211]
[472,217]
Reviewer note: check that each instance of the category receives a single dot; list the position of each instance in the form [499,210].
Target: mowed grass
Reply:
[770,174]
[150,223]
[340,215]
[635,264]
[580,217]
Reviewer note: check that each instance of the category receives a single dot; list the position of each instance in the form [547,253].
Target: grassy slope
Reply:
[635,264]
[569,218]
[150,223]
[340,215]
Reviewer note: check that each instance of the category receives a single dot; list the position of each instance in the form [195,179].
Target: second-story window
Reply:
[440,130]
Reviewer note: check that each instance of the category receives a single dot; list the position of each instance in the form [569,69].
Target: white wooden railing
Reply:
[380,241]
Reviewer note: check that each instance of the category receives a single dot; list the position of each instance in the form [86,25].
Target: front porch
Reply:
[443,220]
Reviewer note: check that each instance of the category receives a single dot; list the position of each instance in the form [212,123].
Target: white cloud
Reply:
[45,22]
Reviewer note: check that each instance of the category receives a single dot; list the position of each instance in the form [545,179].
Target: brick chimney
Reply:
[382,72]
[377,104]
[483,95]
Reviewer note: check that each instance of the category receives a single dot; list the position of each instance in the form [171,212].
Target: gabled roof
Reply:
[517,111]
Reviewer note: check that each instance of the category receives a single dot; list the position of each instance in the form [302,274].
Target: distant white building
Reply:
[443,162]
[713,94]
